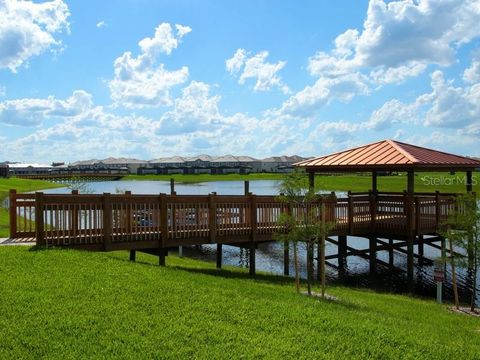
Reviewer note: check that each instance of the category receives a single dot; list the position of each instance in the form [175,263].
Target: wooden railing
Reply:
[113,221]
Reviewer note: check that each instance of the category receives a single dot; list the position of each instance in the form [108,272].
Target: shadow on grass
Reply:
[232,274]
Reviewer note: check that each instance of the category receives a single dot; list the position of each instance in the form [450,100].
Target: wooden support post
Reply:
[342,255]
[132,255]
[13,213]
[246,187]
[286,258]
[253,217]
[350,213]
[107,221]
[161,256]
[469,184]
[390,253]
[74,219]
[410,181]
[311,181]
[163,220]
[373,212]
[172,187]
[373,254]
[374,182]
[212,217]
[409,207]
[219,256]
[410,242]
[420,244]
[39,225]
[252,259]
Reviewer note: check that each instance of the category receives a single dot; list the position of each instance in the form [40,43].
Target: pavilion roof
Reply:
[388,155]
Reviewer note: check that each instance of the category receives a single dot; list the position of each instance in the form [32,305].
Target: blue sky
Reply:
[147,79]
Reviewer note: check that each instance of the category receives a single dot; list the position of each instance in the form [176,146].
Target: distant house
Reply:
[109,165]
[280,164]
[28,169]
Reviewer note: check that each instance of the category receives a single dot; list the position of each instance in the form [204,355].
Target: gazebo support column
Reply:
[311,181]
[374,182]
[469,184]
[410,181]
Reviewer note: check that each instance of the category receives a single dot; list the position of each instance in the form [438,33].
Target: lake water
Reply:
[269,256]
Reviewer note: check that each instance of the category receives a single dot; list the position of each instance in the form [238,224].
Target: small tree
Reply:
[463,232]
[78,184]
[301,220]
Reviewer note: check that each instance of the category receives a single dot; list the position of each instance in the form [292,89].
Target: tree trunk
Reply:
[322,251]
[309,266]
[322,264]
[295,263]
[474,285]
[454,276]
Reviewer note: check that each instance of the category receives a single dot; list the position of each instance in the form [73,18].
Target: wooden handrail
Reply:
[161,220]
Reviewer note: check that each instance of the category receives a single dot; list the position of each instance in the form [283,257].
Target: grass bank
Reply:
[59,304]
[424,182]
[21,185]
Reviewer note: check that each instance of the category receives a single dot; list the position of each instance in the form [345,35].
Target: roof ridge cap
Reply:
[403,151]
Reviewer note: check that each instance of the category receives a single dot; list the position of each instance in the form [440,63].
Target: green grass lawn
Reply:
[62,304]
[21,185]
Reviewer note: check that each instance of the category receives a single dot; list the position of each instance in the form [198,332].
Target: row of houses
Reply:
[202,164]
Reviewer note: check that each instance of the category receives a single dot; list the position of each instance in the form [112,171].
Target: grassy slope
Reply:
[22,185]
[341,183]
[72,304]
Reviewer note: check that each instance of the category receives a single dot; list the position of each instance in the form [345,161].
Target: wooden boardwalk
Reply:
[113,222]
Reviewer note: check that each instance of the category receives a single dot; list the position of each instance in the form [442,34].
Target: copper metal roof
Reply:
[388,155]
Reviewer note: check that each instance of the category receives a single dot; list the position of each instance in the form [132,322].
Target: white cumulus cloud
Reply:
[28,29]
[143,82]
[31,112]
[400,38]
[257,68]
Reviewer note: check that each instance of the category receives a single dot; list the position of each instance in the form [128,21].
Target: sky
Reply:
[154,78]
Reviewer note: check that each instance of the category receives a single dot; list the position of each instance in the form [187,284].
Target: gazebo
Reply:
[401,218]
[390,155]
